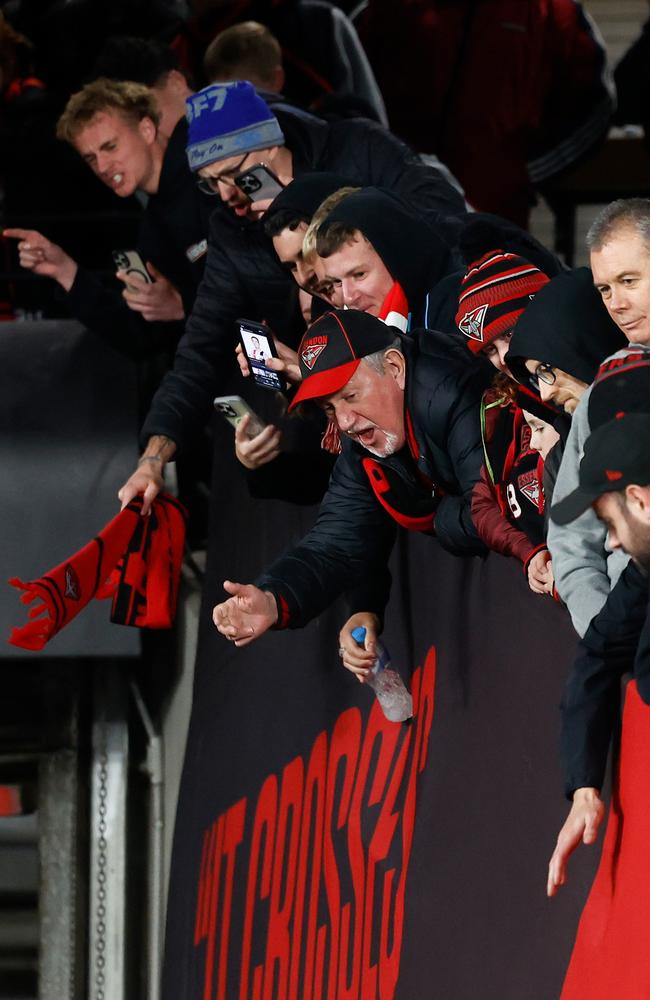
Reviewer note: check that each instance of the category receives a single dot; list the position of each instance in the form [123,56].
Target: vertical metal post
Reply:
[108,840]
[60,908]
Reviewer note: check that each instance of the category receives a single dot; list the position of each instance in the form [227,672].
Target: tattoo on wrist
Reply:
[161,444]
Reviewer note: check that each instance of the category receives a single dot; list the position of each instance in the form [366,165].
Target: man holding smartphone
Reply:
[231,131]
[114,127]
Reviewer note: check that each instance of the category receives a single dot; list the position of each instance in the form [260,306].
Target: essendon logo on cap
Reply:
[311,350]
[472,323]
[72,584]
[613,474]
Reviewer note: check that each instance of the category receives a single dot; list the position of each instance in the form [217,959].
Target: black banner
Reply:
[322,852]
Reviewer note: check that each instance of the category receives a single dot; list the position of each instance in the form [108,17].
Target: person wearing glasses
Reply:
[619,248]
[557,348]
[233,131]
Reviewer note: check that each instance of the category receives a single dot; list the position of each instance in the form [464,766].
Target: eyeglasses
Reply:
[210,185]
[543,373]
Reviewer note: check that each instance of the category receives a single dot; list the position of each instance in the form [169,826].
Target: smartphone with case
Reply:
[132,263]
[257,344]
[234,409]
[259,183]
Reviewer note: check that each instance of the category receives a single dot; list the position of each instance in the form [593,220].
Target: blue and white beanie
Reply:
[227,119]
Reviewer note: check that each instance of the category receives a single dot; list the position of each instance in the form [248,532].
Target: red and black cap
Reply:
[332,349]
[616,455]
[493,294]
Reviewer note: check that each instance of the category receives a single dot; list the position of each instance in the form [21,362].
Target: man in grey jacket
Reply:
[619,244]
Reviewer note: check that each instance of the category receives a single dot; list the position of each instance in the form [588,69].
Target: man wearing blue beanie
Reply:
[231,130]
[227,124]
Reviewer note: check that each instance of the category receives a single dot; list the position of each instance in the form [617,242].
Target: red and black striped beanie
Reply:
[493,294]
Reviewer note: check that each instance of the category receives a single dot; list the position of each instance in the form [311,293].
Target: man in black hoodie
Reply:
[232,130]
[372,244]
[558,345]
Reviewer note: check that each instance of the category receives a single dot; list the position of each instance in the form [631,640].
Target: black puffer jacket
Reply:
[427,486]
[243,276]
[173,236]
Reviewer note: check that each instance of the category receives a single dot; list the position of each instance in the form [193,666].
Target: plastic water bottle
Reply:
[396,702]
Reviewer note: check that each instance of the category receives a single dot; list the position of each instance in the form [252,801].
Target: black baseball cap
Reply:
[616,455]
[332,349]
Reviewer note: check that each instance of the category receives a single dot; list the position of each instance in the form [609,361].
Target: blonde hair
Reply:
[132,100]
[309,242]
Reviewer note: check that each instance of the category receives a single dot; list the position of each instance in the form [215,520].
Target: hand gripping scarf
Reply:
[134,560]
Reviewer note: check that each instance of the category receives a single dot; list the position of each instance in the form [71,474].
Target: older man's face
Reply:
[621,270]
[370,408]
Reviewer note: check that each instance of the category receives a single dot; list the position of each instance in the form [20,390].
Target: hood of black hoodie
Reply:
[567,326]
[411,250]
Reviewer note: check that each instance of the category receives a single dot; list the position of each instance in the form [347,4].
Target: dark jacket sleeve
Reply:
[103,310]
[297,477]
[454,526]
[183,402]
[494,529]
[352,535]
[592,695]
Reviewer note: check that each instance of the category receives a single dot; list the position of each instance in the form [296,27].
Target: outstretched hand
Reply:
[40,255]
[247,614]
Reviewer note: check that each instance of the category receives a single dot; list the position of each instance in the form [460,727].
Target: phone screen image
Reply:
[258,350]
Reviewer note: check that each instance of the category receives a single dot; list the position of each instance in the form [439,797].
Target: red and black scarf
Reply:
[134,560]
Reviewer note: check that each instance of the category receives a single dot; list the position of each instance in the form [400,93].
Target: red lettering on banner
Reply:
[423,702]
[344,747]
[232,838]
[212,897]
[263,828]
[278,939]
[220,841]
[383,835]
[325,865]
[310,856]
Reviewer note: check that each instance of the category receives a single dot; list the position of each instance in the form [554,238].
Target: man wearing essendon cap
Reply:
[614,480]
[407,410]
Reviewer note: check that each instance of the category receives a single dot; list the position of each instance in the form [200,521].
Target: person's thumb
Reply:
[154,272]
[233,588]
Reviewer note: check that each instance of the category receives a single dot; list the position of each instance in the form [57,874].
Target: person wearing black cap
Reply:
[409,421]
[558,345]
[614,480]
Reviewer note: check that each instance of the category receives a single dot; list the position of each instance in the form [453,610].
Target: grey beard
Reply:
[390,447]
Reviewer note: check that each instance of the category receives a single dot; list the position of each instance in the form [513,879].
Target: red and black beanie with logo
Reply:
[493,295]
